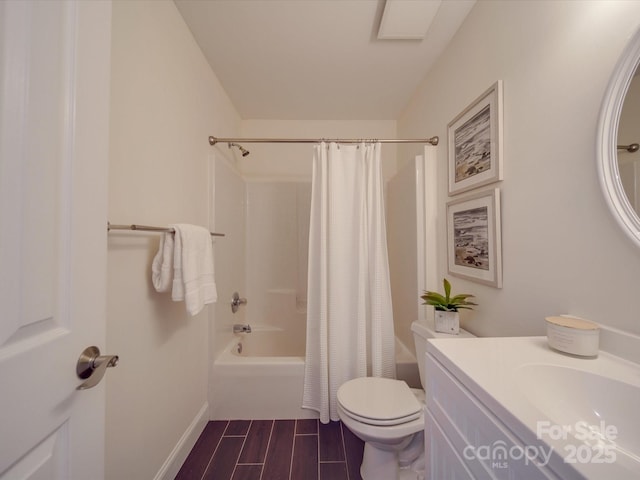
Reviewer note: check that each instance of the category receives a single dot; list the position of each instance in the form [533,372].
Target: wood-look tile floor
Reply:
[274,450]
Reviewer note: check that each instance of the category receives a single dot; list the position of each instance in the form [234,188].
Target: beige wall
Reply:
[402,243]
[562,250]
[165,101]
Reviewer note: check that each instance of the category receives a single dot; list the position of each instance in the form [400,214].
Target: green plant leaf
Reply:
[433,298]
[447,289]
[462,298]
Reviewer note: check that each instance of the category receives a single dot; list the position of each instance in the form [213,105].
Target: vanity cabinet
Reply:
[465,439]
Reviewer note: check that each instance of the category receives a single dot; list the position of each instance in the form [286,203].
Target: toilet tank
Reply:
[421,333]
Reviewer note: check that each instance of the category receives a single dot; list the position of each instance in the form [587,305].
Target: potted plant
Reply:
[447,318]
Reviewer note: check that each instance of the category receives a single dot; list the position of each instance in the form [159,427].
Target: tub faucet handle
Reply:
[236,301]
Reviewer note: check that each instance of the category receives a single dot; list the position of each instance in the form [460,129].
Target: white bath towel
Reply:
[162,266]
[193,276]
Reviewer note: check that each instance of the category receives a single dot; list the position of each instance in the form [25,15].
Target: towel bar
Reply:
[147,228]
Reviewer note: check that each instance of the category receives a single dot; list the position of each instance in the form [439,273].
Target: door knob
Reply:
[91,366]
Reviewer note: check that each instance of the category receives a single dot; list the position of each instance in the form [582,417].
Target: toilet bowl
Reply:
[389,416]
[386,415]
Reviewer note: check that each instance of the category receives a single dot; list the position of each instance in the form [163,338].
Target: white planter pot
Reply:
[447,322]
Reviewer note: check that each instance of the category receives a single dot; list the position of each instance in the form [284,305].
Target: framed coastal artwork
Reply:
[475,143]
[474,249]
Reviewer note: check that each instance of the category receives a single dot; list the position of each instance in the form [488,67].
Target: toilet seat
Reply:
[379,401]
[382,423]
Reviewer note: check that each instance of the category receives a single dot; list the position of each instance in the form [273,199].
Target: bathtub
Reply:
[265,341]
[265,380]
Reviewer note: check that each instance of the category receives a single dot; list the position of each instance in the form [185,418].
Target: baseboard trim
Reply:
[179,454]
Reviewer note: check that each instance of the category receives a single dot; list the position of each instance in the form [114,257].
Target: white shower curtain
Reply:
[349,315]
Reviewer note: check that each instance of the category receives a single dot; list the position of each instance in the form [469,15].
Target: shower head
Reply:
[243,150]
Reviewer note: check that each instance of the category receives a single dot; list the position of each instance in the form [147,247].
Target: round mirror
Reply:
[619,158]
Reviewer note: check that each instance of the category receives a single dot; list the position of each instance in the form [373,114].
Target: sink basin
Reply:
[583,405]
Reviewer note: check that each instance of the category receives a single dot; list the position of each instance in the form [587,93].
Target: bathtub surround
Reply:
[277,243]
[228,213]
[269,216]
[264,255]
[349,314]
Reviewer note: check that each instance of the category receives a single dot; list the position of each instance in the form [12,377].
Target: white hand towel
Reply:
[177,290]
[162,266]
[193,278]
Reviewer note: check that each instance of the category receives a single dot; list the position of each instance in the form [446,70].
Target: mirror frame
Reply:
[607,139]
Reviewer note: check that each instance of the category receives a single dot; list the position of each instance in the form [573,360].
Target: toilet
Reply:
[388,416]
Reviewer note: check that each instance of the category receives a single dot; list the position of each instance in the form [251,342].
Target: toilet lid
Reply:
[379,401]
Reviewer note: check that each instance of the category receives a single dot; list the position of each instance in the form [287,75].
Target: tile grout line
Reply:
[344,449]
[266,453]
[293,448]
[318,430]
[204,472]
[235,466]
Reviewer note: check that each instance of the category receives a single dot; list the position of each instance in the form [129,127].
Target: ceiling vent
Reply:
[407,19]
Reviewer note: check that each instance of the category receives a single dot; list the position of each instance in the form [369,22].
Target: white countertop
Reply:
[497,371]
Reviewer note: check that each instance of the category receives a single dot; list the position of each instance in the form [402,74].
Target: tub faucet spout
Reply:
[239,328]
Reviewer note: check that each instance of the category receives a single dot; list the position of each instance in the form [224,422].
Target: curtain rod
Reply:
[214,140]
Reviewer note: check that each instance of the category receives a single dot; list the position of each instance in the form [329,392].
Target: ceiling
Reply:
[316,59]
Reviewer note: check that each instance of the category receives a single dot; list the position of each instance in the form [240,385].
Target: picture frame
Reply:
[474,238]
[474,141]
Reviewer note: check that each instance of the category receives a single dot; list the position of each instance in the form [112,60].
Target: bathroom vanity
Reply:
[512,408]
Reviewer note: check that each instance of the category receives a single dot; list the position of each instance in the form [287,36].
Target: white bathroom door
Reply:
[54,98]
